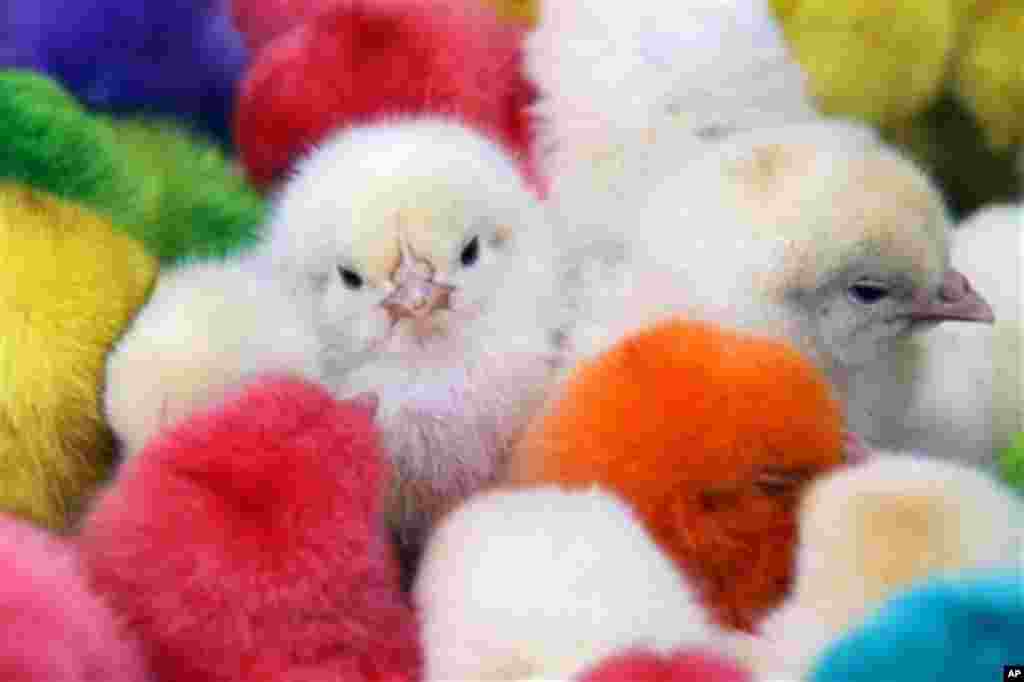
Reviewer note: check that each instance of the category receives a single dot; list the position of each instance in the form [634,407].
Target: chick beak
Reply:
[417,298]
[857,451]
[955,300]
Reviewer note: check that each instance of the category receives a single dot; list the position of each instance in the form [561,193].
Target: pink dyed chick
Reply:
[682,666]
[247,544]
[52,627]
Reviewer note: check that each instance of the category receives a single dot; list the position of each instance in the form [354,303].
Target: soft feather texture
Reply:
[247,544]
[181,196]
[260,21]
[711,434]
[609,71]
[868,532]
[542,583]
[968,382]
[207,329]
[365,60]
[180,60]
[53,628]
[962,629]
[682,666]
[1011,463]
[780,230]
[70,285]
[457,386]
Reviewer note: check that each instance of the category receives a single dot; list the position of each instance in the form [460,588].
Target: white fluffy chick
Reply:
[819,233]
[609,72]
[869,531]
[427,267]
[968,380]
[202,335]
[541,583]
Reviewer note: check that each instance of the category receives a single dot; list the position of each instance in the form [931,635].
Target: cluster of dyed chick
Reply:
[583,349]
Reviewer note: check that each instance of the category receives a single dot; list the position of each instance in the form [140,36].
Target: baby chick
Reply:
[201,336]
[69,285]
[427,268]
[542,583]
[711,435]
[246,544]
[53,628]
[817,233]
[868,532]
[609,72]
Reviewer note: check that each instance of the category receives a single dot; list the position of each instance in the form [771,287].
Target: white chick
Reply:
[968,380]
[541,583]
[207,329]
[818,233]
[609,72]
[870,531]
[427,268]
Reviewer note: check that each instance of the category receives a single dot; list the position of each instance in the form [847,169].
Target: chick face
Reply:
[404,233]
[860,237]
[882,269]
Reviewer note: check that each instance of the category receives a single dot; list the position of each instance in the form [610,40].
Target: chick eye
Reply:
[775,482]
[868,292]
[471,252]
[351,279]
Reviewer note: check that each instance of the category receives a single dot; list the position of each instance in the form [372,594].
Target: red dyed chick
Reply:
[365,61]
[247,544]
[683,666]
[712,435]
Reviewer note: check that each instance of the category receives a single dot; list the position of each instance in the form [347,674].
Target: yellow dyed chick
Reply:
[877,62]
[69,285]
[989,74]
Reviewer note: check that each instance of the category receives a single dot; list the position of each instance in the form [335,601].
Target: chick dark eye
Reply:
[351,279]
[471,252]
[774,482]
[868,293]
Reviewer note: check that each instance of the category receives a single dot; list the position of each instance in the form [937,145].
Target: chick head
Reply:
[711,434]
[845,233]
[406,231]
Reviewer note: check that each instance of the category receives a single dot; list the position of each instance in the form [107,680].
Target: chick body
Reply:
[711,435]
[70,285]
[384,217]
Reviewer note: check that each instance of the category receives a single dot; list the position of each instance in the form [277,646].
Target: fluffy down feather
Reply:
[260,21]
[207,329]
[366,60]
[711,434]
[610,71]
[542,583]
[962,629]
[53,628]
[443,210]
[871,531]
[178,59]
[969,379]
[181,196]
[246,544]
[70,285]
[682,666]
[818,233]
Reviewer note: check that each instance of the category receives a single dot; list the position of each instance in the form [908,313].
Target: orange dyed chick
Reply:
[712,435]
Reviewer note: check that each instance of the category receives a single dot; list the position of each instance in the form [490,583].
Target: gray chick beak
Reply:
[417,298]
[956,299]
